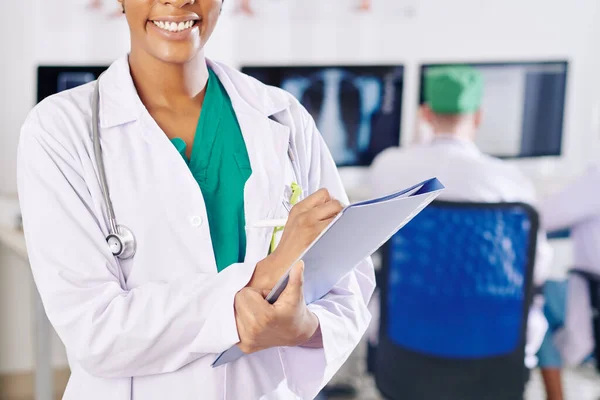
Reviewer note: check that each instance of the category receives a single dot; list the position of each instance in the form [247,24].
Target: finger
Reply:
[327,210]
[319,197]
[256,300]
[320,227]
[244,324]
[250,304]
[293,292]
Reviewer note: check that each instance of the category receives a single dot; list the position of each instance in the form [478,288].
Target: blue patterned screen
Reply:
[456,281]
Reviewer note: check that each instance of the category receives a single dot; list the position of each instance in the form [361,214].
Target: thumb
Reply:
[294,289]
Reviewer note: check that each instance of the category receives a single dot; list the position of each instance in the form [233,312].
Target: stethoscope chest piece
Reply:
[122,244]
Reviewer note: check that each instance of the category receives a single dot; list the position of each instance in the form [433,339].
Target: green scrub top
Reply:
[219,162]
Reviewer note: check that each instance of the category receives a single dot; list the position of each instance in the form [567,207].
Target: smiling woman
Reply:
[190,150]
[145,38]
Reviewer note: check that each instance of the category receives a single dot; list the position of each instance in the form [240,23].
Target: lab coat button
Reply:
[196,221]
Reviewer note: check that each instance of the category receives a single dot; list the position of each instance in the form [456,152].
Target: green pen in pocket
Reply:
[295,196]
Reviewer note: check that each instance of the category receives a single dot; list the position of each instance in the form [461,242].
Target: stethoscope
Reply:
[120,239]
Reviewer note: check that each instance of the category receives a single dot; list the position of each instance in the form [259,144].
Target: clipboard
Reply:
[355,234]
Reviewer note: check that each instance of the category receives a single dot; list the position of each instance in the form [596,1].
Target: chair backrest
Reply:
[457,284]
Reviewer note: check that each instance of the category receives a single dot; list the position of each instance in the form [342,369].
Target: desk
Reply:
[44,385]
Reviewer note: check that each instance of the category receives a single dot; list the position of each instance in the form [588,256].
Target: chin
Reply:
[176,57]
[175,53]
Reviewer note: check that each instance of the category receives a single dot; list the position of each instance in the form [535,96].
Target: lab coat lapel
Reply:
[267,143]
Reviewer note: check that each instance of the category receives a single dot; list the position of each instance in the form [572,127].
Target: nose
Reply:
[178,3]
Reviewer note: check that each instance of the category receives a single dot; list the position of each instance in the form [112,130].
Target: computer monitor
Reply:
[54,79]
[523,107]
[357,109]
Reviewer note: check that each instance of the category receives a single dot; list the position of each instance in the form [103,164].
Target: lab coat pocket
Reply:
[277,233]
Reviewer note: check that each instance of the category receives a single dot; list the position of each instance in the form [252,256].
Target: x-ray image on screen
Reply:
[356,109]
[522,108]
[55,79]
[69,80]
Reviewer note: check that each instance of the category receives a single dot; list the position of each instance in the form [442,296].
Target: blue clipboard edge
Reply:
[429,186]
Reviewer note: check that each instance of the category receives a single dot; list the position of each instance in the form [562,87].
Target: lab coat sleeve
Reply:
[342,313]
[574,204]
[155,328]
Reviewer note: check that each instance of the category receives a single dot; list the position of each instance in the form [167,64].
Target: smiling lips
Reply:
[174,26]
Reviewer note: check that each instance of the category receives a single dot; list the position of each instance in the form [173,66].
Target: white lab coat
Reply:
[468,175]
[577,207]
[149,328]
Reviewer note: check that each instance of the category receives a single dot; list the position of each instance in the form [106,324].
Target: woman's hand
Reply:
[306,221]
[288,322]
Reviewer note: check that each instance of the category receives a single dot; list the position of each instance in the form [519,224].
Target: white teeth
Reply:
[174,26]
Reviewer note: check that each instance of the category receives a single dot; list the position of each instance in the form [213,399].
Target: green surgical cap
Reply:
[453,90]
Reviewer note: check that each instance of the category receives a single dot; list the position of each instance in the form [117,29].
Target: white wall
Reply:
[15,305]
[16,83]
[16,318]
[63,32]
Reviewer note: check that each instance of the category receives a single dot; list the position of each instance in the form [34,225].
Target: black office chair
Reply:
[456,286]
[593,281]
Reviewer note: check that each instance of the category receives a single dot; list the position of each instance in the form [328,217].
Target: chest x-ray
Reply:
[356,109]
[70,80]
[55,79]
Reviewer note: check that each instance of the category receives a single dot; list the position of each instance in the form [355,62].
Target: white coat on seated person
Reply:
[576,207]
[469,176]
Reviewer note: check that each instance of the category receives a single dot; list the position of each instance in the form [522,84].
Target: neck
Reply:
[160,84]
[460,135]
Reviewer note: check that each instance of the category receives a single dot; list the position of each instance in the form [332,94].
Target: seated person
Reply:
[453,99]
[570,339]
